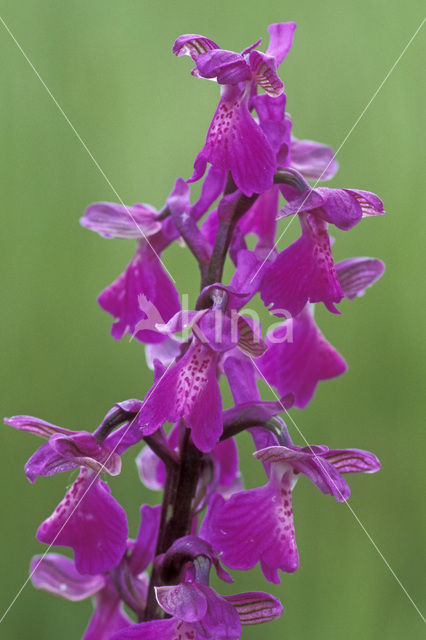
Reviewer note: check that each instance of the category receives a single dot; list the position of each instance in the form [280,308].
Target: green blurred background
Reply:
[109,64]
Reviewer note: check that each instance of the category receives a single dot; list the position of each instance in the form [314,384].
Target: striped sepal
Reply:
[255,607]
[250,342]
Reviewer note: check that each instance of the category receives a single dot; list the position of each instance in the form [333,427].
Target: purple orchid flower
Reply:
[257,525]
[189,389]
[144,294]
[305,271]
[298,355]
[235,142]
[88,519]
[144,278]
[312,160]
[58,575]
[196,611]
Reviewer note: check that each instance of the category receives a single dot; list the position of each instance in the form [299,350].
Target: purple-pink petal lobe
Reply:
[315,161]
[302,273]
[255,526]
[193,45]
[355,275]
[89,521]
[236,143]
[112,220]
[298,357]
[264,71]
[255,607]
[189,390]
[280,40]
[35,426]
[58,574]
[353,460]
[227,67]
[184,601]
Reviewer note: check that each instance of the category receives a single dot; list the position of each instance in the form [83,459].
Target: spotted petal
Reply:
[254,526]
[236,143]
[187,390]
[304,272]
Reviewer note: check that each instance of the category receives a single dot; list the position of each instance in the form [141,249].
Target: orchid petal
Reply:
[264,70]
[242,379]
[188,389]
[84,450]
[108,616]
[193,45]
[118,221]
[57,574]
[227,67]
[250,339]
[255,607]
[254,526]
[226,455]
[212,188]
[353,460]
[261,220]
[221,620]
[304,272]
[35,426]
[298,357]
[91,522]
[151,469]
[280,40]
[170,629]
[236,143]
[143,550]
[141,297]
[314,160]
[47,462]
[184,601]
[313,464]
[356,274]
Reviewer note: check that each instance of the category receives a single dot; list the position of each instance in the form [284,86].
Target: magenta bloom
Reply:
[144,294]
[235,142]
[257,525]
[189,389]
[195,610]
[298,355]
[58,575]
[89,519]
[144,277]
[305,272]
[297,362]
